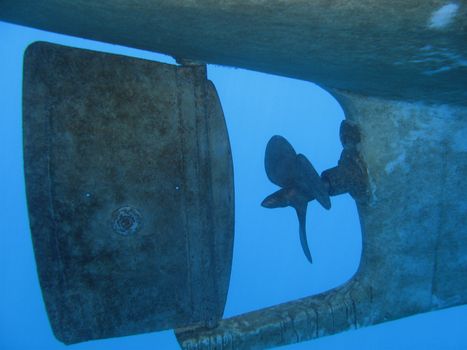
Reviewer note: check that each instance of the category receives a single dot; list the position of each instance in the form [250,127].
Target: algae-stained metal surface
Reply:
[399,49]
[130,192]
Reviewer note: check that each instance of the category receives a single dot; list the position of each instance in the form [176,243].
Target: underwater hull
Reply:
[410,50]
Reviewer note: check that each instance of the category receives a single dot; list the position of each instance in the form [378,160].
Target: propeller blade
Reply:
[301,214]
[309,181]
[280,161]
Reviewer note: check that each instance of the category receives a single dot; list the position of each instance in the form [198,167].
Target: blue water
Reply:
[268,265]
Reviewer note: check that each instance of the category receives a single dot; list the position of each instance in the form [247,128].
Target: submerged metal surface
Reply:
[130,192]
[299,182]
[400,49]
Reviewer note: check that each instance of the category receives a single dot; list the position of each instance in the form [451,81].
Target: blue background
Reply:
[268,266]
